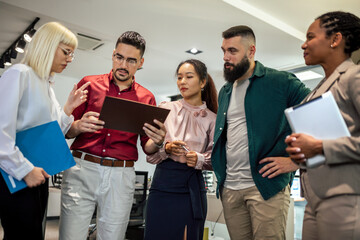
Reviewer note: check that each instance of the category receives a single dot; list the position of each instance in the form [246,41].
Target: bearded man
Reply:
[253,170]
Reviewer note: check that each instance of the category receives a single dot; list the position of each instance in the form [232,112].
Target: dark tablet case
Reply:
[130,116]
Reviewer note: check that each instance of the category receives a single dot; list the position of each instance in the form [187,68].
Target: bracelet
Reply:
[160,146]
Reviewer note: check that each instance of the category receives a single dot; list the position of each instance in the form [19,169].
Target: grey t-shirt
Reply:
[238,174]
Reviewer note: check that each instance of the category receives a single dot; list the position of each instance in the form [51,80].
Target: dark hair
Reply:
[134,39]
[209,94]
[241,30]
[347,24]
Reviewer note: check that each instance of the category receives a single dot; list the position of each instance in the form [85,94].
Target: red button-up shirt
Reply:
[108,142]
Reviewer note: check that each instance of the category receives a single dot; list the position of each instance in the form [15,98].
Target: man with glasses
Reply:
[104,175]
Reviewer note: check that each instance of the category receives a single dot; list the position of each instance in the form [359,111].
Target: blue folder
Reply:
[44,146]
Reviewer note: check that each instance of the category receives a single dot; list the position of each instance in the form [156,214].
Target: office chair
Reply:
[92,227]
[56,180]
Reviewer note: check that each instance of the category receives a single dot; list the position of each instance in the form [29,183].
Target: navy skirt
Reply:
[177,199]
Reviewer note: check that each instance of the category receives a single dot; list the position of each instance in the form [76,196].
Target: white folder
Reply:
[320,118]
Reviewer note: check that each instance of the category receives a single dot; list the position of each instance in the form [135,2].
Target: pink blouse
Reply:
[195,126]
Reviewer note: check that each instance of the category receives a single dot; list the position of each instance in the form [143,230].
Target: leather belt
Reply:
[103,161]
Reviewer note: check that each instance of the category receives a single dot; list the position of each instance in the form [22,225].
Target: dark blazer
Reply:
[341,172]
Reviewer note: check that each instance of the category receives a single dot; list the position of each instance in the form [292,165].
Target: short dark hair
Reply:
[134,39]
[347,24]
[209,94]
[241,30]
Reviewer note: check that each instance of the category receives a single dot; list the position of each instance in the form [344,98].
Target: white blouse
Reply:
[26,101]
[195,126]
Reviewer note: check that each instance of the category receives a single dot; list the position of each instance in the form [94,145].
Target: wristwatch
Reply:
[161,145]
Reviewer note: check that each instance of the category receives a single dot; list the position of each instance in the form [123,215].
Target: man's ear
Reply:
[252,50]
[141,63]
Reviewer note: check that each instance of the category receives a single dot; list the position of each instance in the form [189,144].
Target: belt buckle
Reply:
[102,160]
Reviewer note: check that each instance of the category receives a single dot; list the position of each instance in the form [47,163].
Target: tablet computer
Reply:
[320,118]
[130,116]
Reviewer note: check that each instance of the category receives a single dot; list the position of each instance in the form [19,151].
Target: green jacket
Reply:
[269,93]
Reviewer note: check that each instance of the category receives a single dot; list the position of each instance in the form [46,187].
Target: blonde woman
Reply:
[28,100]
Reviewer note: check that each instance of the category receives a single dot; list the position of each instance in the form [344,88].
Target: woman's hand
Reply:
[76,97]
[36,177]
[302,146]
[175,148]
[191,158]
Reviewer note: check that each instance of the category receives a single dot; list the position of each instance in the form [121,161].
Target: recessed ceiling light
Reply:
[307,75]
[194,51]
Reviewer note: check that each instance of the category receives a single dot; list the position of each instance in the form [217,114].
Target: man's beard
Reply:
[238,70]
[119,79]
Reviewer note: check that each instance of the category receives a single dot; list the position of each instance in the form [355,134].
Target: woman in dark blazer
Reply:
[332,189]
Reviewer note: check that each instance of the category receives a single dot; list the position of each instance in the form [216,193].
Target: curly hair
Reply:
[347,24]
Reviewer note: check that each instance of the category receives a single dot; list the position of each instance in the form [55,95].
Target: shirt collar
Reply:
[344,66]
[196,110]
[259,71]
[51,80]
[131,87]
[191,107]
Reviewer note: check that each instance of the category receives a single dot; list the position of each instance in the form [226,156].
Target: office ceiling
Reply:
[170,28]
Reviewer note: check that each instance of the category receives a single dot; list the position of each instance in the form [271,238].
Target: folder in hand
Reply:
[44,146]
[320,118]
